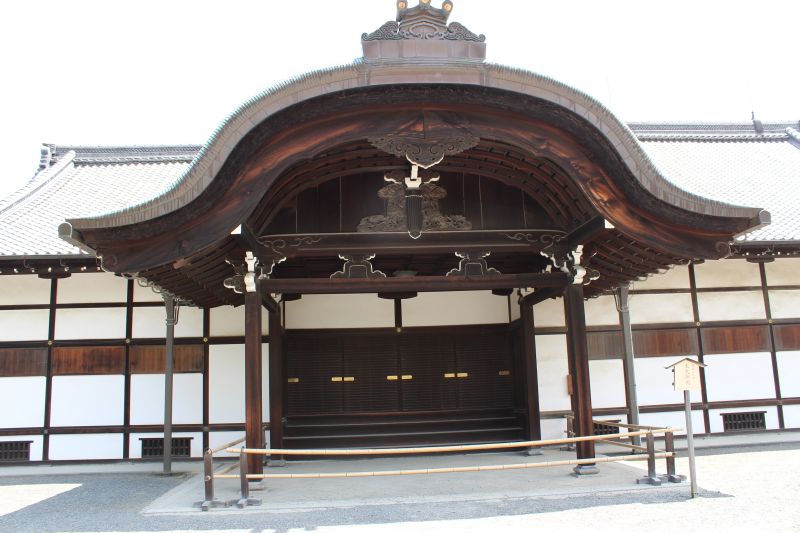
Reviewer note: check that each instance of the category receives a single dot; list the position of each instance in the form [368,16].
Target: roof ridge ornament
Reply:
[423,32]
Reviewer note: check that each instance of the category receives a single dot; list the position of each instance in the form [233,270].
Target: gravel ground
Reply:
[749,489]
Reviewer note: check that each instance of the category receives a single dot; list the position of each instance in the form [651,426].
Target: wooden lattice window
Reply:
[747,421]
[15,450]
[154,447]
[605,429]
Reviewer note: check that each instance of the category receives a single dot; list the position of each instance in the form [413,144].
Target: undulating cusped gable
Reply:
[416,248]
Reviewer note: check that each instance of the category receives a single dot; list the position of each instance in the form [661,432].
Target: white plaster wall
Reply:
[549,314]
[316,311]
[789,372]
[36,444]
[22,402]
[715,417]
[27,289]
[90,323]
[147,399]
[149,322]
[661,308]
[727,273]
[739,376]
[745,305]
[513,309]
[87,401]
[783,272]
[784,304]
[607,383]
[92,288]
[265,383]
[227,321]
[453,308]
[72,447]
[135,445]
[218,438]
[30,325]
[226,383]
[145,294]
[654,381]
[791,416]
[552,367]
[601,311]
[675,278]
[676,419]
[554,428]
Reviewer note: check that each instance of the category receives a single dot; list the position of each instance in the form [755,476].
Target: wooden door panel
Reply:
[427,357]
[369,360]
[485,358]
[311,362]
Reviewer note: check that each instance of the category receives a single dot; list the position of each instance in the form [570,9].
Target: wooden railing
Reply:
[648,452]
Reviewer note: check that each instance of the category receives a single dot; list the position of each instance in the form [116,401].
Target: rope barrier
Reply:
[650,454]
[421,471]
[437,449]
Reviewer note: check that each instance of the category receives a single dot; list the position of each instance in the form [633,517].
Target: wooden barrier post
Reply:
[651,477]
[669,447]
[244,483]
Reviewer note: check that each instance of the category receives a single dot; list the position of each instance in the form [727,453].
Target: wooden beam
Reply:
[586,232]
[252,378]
[578,357]
[412,284]
[544,293]
[400,243]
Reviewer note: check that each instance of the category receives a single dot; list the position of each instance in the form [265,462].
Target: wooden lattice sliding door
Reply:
[462,368]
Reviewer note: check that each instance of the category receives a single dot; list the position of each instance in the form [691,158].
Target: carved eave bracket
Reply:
[357,267]
[473,264]
[250,272]
[570,264]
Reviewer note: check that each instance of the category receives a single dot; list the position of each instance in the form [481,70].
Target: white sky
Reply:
[169,71]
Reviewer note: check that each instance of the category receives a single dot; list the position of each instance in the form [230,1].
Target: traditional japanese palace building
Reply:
[416,248]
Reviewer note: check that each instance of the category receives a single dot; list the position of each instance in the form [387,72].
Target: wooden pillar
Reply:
[171,311]
[277,380]
[533,416]
[628,361]
[578,356]
[252,378]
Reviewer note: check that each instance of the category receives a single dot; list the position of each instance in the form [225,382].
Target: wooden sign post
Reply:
[686,377]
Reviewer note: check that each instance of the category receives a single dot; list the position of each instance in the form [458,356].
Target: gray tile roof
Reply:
[726,162]
[732,163]
[83,182]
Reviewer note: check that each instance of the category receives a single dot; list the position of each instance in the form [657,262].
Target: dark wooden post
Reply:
[532,417]
[277,382]
[628,361]
[169,357]
[252,378]
[578,356]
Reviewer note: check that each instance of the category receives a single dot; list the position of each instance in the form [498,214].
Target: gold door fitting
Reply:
[391,378]
[293,380]
[349,379]
[449,375]
[462,375]
[407,377]
[504,373]
[336,379]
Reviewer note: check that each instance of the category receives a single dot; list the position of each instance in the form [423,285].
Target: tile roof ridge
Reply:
[41,180]
[99,154]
